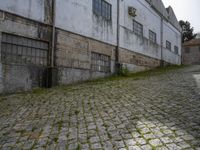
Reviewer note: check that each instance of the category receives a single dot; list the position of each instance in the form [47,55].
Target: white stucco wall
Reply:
[172,35]
[170,57]
[78,17]
[150,21]
[33,9]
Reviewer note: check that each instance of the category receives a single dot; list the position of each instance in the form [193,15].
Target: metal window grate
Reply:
[100,62]
[152,36]
[168,45]
[21,50]
[102,8]
[137,28]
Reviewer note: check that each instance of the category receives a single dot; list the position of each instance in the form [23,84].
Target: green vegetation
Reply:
[123,71]
[139,75]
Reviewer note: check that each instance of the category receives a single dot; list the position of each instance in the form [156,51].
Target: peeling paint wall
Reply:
[33,9]
[172,35]
[150,21]
[77,16]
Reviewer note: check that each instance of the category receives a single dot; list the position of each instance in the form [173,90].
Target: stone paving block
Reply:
[155,142]
[158,112]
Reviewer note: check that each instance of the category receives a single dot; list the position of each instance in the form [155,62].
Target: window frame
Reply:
[100,62]
[168,45]
[105,10]
[17,49]
[154,39]
[135,28]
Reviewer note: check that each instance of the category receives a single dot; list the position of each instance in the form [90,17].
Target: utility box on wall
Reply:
[132,11]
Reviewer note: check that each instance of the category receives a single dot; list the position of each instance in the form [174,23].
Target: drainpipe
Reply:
[161,43]
[118,34]
[53,32]
[50,72]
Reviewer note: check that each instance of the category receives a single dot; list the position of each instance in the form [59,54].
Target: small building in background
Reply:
[191,52]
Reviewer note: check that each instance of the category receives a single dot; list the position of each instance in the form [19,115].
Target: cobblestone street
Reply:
[160,111]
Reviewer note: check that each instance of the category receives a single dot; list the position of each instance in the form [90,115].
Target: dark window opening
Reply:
[102,8]
[152,36]
[168,45]
[137,28]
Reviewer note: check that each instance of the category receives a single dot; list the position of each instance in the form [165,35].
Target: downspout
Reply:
[181,51]
[53,32]
[118,34]
[50,72]
[161,43]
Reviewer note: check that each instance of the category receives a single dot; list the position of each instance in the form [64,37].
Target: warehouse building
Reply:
[54,42]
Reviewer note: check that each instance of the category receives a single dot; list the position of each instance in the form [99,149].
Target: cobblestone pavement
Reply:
[155,112]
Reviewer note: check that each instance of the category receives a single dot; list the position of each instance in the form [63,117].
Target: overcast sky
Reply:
[186,10]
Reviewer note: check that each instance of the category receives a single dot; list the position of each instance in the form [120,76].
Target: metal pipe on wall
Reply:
[118,34]
[53,31]
[161,42]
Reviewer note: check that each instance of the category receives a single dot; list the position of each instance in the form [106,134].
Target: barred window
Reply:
[21,50]
[137,28]
[102,8]
[100,62]
[152,36]
[176,49]
[168,45]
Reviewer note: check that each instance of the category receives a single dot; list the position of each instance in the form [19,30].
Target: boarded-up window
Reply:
[21,50]
[100,62]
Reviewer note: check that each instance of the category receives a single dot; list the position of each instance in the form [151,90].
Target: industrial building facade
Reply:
[54,42]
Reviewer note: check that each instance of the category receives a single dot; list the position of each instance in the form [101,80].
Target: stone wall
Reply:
[137,62]
[191,55]
[73,57]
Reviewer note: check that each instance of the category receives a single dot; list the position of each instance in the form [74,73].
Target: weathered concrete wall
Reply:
[79,32]
[136,61]
[78,17]
[21,77]
[33,9]
[73,57]
[191,55]
[170,57]
[150,21]
[149,18]
[15,77]
[172,35]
